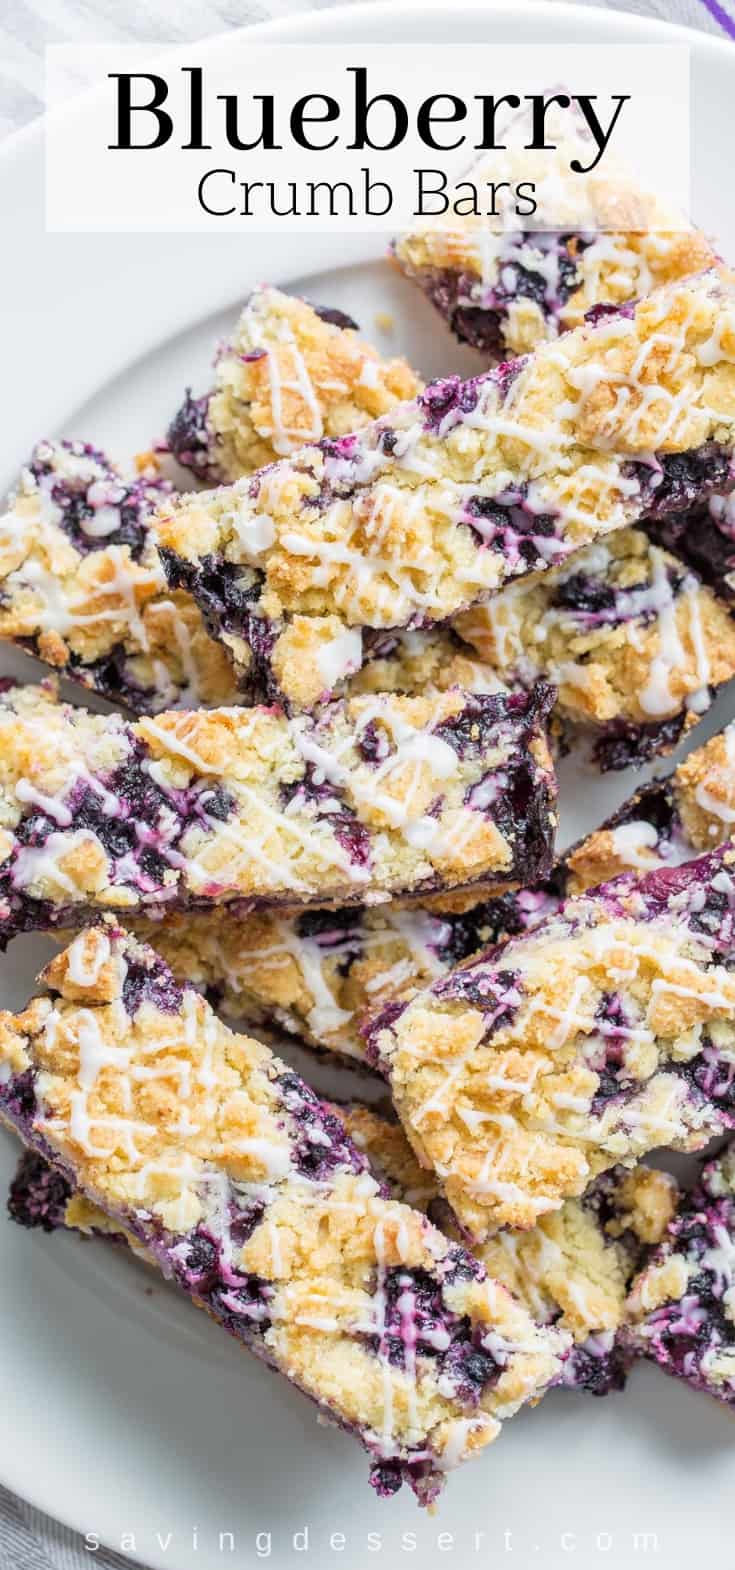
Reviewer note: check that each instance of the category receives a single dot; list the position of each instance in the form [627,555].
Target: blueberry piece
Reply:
[150,981]
[471,1369]
[19,1095]
[604,309]
[450,396]
[372,743]
[38,1194]
[678,480]
[188,435]
[335,317]
[598,1374]
[386,1478]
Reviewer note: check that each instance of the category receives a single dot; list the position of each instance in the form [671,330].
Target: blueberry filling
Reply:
[227,595]
[386,1478]
[18,1096]
[110,677]
[476,313]
[451,293]
[497,993]
[674,481]
[652,804]
[605,309]
[686,1334]
[414,1321]
[609,1060]
[328,927]
[448,399]
[706,543]
[712,1079]
[189,437]
[494,920]
[333,316]
[225,591]
[507,522]
[373,1025]
[38,1194]
[584,594]
[322,1145]
[137,823]
[99,511]
[372,743]
[461,1266]
[330,807]
[517,281]
[469,731]
[624,744]
[596,602]
[150,981]
[462,935]
[598,1370]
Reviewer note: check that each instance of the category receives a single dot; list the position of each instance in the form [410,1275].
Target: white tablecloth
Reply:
[28,1539]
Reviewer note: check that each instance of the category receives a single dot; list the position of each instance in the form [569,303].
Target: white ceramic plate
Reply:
[125,1413]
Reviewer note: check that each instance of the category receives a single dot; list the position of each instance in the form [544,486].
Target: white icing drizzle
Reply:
[40,865]
[340,657]
[86,957]
[630,841]
[262,327]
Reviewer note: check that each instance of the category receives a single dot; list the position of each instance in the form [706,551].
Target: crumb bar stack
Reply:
[439,503]
[320,974]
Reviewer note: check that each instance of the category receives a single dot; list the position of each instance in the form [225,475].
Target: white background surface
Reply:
[123,1410]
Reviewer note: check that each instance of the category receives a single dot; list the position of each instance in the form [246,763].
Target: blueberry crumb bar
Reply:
[504,289]
[634,642]
[604,1033]
[572,1269]
[376,796]
[81,585]
[248,1193]
[681,1309]
[293,373]
[440,502]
